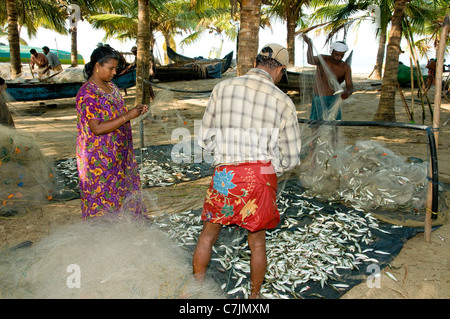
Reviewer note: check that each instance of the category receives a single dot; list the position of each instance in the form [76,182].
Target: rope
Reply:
[173,90]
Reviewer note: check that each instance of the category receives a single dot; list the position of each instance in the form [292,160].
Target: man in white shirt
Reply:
[252,128]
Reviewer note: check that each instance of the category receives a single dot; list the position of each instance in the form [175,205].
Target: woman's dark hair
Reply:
[101,55]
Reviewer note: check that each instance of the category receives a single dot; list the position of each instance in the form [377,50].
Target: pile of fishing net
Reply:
[367,175]
[370,176]
[26,176]
[72,74]
[110,257]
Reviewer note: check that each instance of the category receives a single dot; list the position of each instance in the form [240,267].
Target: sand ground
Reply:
[422,269]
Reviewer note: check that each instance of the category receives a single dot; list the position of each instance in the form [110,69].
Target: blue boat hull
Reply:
[50,91]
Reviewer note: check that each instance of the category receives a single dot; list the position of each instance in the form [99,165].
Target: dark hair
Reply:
[33,51]
[101,55]
[2,81]
[267,61]
[45,48]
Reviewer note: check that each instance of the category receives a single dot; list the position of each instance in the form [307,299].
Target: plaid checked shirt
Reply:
[249,118]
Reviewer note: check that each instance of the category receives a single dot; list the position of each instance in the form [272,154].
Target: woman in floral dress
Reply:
[108,172]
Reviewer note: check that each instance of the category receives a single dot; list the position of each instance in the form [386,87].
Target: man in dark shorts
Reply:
[251,126]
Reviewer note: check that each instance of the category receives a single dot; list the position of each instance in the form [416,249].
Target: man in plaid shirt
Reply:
[251,127]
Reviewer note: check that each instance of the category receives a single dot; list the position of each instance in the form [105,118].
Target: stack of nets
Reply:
[110,257]
[26,176]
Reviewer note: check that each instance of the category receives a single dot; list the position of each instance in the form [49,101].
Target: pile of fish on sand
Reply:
[317,250]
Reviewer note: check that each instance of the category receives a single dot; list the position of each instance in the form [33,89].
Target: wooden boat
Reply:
[193,69]
[404,75]
[63,56]
[47,91]
[297,81]
[176,57]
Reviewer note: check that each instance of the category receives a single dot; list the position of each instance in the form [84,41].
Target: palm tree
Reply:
[334,16]
[291,12]
[143,53]
[32,15]
[250,20]
[418,12]
[86,8]
[248,40]
[386,109]
[13,38]
[407,13]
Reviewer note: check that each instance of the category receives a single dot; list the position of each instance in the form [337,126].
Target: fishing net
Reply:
[104,258]
[27,176]
[339,166]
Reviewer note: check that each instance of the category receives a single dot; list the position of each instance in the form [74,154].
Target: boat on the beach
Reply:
[297,81]
[178,58]
[185,68]
[35,91]
[25,55]
[404,75]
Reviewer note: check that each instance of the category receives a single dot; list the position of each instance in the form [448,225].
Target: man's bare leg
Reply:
[202,253]
[258,260]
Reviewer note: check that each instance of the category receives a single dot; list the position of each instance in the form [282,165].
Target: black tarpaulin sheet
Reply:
[387,242]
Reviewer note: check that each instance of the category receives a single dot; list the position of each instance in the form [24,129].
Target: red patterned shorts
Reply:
[243,194]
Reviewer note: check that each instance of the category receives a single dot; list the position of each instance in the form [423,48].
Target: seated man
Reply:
[41,61]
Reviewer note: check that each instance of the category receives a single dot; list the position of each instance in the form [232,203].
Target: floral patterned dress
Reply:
[107,169]
[243,194]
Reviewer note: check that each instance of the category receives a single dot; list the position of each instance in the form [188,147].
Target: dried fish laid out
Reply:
[154,173]
[160,166]
[156,167]
[367,175]
[314,251]
[67,172]
[66,179]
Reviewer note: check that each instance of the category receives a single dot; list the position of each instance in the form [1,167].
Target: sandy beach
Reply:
[422,269]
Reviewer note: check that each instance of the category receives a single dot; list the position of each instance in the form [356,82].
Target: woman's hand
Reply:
[100,128]
[138,110]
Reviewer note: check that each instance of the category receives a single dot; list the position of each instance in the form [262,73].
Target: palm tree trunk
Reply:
[386,106]
[291,25]
[378,68]
[13,39]
[248,35]
[143,53]
[73,47]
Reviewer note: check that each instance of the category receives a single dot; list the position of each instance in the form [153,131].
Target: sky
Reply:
[361,41]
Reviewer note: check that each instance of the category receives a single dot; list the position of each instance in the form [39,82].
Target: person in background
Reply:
[5,114]
[41,61]
[108,171]
[53,62]
[324,93]
[331,72]
[131,65]
[252,127]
